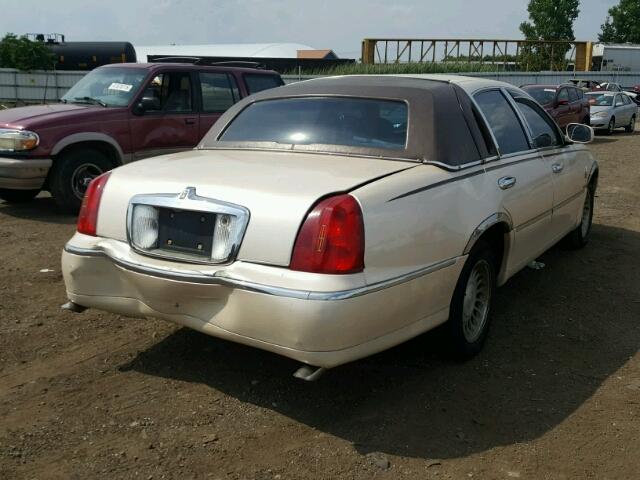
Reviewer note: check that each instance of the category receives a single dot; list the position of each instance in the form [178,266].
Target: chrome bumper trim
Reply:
[221,279]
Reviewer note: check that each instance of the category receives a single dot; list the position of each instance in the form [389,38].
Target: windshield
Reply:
[355,122]
[112,87]
[600,99]
[544,96]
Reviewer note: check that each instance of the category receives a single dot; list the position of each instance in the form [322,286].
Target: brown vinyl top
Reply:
[441,125]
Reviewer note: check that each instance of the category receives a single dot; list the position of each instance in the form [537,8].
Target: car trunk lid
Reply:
[278,189]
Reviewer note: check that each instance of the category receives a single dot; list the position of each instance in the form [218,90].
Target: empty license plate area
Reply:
[185,231]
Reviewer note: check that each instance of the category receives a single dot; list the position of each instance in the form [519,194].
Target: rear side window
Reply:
[626,99]
[219,91]
[257,83]
[543,132]
[503,122]
[573,94]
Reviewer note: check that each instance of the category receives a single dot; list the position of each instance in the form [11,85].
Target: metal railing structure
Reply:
[510,54]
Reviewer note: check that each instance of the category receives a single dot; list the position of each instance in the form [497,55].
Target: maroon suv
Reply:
[114,115]
[565,103]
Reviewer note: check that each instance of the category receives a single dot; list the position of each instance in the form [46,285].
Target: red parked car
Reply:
[565,103]
[112,116]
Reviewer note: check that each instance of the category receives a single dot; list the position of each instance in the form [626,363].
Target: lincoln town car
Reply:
[334,218]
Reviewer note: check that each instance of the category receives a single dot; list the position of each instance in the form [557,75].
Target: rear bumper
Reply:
[23,174]
[324,329]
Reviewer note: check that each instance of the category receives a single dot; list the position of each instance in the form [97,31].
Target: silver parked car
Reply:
[610,110]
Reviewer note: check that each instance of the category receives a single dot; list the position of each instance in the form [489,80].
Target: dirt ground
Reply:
[555,394]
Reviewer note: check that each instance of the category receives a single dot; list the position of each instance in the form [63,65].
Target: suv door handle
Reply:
[506,182]
[557,167]
[189,121]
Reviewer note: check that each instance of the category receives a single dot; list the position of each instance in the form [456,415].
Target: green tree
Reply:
[550,20]
[23,54]
[622,24]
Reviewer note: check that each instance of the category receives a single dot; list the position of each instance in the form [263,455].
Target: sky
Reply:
[337,24]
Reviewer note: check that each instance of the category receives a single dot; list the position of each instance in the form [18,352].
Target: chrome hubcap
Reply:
[477,295]
[82,178]
[586,216]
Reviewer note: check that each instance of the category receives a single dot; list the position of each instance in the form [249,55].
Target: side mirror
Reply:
[146,104]
[579,133]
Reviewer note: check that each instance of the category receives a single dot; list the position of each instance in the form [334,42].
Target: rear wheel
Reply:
[579,237]
[17,196]
[72,173]
[468,323]
[612,126]
[632,125]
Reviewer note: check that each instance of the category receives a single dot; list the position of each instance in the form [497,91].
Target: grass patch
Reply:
[400,68]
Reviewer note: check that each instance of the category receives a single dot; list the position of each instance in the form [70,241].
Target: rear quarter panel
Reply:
[411,223]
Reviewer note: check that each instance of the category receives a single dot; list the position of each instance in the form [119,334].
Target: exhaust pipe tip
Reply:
[73,307]
[309,373]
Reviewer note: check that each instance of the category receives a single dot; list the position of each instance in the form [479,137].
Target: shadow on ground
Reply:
[557,334]
[41,209]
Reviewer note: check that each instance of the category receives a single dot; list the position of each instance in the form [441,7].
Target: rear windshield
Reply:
[544,96]
[355,122]
[600,99]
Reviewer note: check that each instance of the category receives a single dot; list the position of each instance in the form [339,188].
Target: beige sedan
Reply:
[331,219]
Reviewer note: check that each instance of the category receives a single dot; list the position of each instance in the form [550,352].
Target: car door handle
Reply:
[557,167]
[189,121]
[506,182]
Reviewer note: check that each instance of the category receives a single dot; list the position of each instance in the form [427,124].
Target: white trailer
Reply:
[608,57]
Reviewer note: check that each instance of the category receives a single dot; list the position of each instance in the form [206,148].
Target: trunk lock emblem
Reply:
[187,193]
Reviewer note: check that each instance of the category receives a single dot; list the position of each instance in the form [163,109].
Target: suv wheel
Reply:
[632,125]
[72,173]
[468,323]
[17,196]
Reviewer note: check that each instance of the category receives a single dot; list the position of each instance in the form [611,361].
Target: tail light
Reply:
[88,217]
[331,239]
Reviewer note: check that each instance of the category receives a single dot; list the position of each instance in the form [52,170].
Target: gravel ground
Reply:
[555,394]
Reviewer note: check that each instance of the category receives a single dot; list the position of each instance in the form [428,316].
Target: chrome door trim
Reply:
[221,278]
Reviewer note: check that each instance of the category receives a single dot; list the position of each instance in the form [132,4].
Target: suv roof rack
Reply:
[208,62]
[231,63]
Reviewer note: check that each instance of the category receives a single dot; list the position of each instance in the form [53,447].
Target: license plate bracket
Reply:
[185,231]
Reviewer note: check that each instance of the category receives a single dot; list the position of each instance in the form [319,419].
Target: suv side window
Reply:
[563,95]
[172,92]
[503,121]
[219,91]
[542,130]
[257,83]
[573,95]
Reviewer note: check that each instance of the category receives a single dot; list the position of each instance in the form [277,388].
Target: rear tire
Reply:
[632,125]
[469,314]
[18,196]
[72,173]
[579,237]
